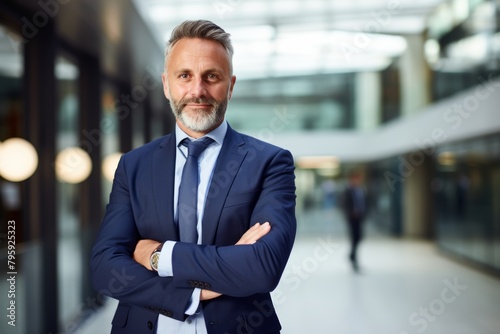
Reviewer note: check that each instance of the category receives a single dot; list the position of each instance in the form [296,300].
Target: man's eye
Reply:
[183,76]
[212,76]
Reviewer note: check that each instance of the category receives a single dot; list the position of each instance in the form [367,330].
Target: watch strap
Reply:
[158,248]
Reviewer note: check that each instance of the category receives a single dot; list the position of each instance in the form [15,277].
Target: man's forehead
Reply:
[191,45]
[189,48]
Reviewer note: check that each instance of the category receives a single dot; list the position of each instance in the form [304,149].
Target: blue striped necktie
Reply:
[188,190]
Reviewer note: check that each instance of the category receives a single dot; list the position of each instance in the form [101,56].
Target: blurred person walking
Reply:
[354,205]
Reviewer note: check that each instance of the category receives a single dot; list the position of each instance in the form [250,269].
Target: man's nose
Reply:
[198,88]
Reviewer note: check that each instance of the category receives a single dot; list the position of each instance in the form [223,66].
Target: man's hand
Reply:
[254,233]
[209,294]
[251,236]
[143,251]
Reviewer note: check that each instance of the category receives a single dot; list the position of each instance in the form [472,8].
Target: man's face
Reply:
[356,180]
[198,84]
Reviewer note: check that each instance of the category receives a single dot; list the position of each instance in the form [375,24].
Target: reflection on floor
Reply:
[404,287]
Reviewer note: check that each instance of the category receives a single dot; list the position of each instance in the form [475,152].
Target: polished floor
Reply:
[404,287]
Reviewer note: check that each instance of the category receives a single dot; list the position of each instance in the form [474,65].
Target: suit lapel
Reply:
[163,173]
[228,163]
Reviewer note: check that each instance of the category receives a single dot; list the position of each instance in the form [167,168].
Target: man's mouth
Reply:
[199,105]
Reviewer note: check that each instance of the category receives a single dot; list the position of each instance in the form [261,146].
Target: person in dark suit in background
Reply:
[355,211]
[201,222]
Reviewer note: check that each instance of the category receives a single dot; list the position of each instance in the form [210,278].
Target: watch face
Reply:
[154,260]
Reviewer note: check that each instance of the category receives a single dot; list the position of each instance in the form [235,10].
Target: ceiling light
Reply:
[73,165]
[18,159]
[447,159]
[109,165]
[432,51]
[318,162]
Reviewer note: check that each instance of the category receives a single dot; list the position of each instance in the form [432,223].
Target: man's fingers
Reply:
[259,232]
[254,233]
[208,294]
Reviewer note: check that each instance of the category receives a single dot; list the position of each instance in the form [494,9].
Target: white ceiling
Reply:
[275,38]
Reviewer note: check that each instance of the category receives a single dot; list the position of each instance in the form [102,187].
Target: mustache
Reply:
[199,100]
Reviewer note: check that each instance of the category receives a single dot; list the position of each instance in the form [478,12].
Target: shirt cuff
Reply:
[194,302]
[165,262]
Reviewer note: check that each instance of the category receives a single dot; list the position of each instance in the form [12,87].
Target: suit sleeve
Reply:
[116,274]
[244,270]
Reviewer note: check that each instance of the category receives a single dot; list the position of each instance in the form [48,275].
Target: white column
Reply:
[367,100]
[417,199]
[415,87]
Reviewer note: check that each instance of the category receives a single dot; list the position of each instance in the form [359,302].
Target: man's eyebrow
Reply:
[209,70]
[182,70]
[213,69]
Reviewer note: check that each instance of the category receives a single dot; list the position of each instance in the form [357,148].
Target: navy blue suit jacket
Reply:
[252,182]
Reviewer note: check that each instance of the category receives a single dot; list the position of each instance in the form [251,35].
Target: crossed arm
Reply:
[145,248]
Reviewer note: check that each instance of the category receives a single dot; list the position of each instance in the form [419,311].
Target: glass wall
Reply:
[385,196]
[110,148]
[463,45]
[11,120]
[467,193]
[309,103]
[319,192]
[51,94]
[70,163]
[11,199]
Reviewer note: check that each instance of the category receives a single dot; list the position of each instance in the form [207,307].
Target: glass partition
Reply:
[11,199]
[69,162]
[467,193]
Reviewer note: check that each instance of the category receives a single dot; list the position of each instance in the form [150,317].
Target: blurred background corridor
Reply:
[402,95]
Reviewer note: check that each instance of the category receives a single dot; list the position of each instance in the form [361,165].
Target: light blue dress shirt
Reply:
[195,323]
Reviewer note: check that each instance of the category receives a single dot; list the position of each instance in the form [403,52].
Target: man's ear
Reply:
[231,86]
[165,85]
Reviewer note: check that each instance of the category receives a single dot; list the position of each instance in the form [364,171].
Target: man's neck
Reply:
[195,134]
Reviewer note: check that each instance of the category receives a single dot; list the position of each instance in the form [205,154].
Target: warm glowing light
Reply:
[73,165]
[447,159]
[109,165]
[18,159]
[432,51]
[318,162]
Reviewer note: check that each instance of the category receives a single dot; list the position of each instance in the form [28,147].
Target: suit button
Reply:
[150,325]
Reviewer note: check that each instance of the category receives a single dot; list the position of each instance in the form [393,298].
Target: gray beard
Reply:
[203,120]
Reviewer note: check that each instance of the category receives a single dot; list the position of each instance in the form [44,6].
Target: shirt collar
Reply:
[216,134]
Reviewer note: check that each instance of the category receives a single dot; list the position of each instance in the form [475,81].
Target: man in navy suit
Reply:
[244,212]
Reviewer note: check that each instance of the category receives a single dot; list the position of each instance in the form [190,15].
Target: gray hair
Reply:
[203,29]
